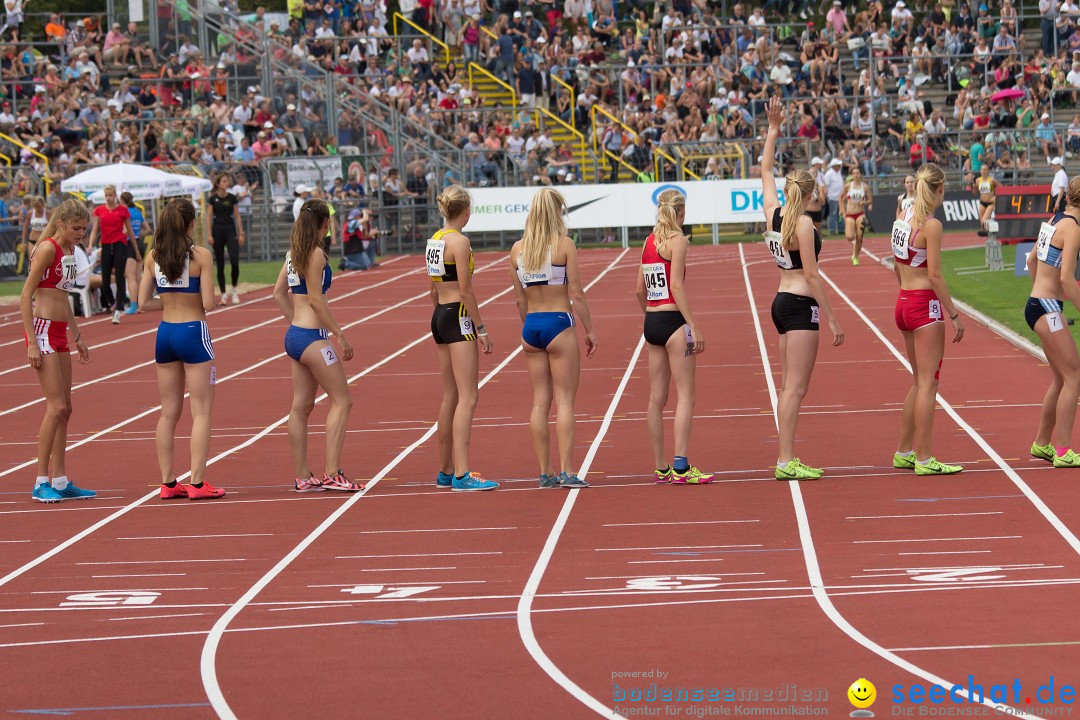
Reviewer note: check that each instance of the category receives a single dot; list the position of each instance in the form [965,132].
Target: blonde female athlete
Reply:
[986,189]
[547,283]
[855,201]
[800,300]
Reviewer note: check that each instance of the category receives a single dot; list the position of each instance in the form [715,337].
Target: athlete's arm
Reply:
[932,233]
[80,344]
[281,294]
[459,246]
[93,234]
[1070,246]
[804,233]
[42,258]
[678,247]
[869,201]
[205,260]
[239,224]
[577,296]
[1033,264]
[642,295]
[843,199]
[146,287]
[775,113]
[519,292]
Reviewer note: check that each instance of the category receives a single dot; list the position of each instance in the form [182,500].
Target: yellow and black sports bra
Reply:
[438,269]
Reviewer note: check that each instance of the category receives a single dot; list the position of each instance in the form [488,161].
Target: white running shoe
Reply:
[224,299]
[235,297]
[116,317]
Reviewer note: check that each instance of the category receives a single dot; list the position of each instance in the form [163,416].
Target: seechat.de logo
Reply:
[662,188]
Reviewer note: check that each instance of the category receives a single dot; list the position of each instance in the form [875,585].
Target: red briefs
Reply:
[51,336]
[917,309]
[855,216]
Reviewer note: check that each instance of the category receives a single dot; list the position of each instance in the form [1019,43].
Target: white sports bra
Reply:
[38,222]
[549,274]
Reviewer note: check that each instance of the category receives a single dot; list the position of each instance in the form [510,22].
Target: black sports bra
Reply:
[795,255]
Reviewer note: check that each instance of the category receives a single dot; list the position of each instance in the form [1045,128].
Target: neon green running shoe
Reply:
[1069,459]
[934,467]
[903,462]
[662,476]
[691,476]
[855,260]
[1043,452]
[795,470]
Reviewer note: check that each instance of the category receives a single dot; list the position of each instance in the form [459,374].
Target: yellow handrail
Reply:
[489,32]
[633,170]
[19,144]
[484,71]
[538,112]
[6,159]
[422,31]
[657,152]
[569,89]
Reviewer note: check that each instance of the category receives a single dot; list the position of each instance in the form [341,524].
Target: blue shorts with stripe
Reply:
[187,342]
[1037,307]
[298,339]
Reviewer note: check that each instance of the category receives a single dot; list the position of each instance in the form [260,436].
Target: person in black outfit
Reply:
[225,231]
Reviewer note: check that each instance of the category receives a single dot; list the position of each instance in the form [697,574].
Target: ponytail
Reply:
[669,204]
[798,186]
[928,183]
[172,241]
[307,234]
[544,228]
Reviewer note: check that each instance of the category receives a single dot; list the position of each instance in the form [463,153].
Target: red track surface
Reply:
[410,601]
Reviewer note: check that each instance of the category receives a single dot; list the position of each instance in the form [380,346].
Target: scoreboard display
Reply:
[1020,210]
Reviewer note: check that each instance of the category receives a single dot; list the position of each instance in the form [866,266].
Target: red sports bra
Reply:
[61,274]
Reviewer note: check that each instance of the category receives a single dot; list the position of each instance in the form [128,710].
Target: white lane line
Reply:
[1023,566]
[435,530]
[141,575]
[208,659]
[997,646]
[187,537]
[414,569]
[155,562]
[270,428]
[925,515]
[948,552]
[13,541]
[654,562]
[459,554]
[37,624]
[813,571]
[528,594]
[399,582]
[633,577]
[152,617]
[684,522]
[1067,535]
[117,590]
[955,539]
[674,547]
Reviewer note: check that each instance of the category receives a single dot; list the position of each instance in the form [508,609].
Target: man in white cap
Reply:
[303,193]
[833,180]
[1059,186]
[816,203]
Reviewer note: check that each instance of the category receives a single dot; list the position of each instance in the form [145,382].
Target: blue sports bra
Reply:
[1045,250]
[184,284]
[298,285]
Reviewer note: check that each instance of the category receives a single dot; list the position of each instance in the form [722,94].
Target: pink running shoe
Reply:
[308,484]
[340,482]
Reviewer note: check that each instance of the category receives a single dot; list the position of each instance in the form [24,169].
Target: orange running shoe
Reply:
[174,493]
[206,492]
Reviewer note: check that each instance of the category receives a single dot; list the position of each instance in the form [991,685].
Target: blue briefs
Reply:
[297,340]
[187,342]
[541,328]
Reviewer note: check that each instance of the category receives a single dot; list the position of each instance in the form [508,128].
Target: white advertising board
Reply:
[623,204]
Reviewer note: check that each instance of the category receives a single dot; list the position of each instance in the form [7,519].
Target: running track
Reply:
[527,602]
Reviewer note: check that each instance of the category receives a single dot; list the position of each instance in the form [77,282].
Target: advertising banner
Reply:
[959,212]
[9,254]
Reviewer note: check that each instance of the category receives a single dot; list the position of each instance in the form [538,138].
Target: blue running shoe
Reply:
[75,493]
[571,481]
[132,309]
[45,493]
[471,481]
[549,481]
[445,479]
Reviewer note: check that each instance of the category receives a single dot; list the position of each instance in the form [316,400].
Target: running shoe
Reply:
[473,482]
[70,492]
[176,492]
[571,481]
[795,470]
[308,484]
[235,297]
[905,462]
[224,299]
[205,492]
[1043,452]
[116,317]
[662,476]
[444,479]
[549,481]
[692,476]
[132,309]
[934,467]
[340,482]
[45,493]
[1069,459]
[816,471]
[855,260]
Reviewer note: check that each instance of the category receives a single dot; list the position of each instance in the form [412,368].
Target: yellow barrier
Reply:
[422,31]
[6,159]
[480,69]
[570,90]
[19,144]
[657,152]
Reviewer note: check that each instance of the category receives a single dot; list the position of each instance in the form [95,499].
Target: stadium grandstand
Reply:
[384,105]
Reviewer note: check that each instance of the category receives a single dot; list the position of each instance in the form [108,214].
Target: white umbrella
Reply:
[132,178]
[189,185]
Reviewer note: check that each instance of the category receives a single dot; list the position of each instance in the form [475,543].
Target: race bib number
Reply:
[328,355]
[986,188]
[436,258]
[689,341]
[815,315]
[68,272]
[656,281]
[213,374]
[1055,321]
[776,246]
[466,325]
[901,234]
[1042,246]
[180,282]
[290,271]
[935,310]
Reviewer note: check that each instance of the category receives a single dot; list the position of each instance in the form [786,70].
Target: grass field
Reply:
[1001,295]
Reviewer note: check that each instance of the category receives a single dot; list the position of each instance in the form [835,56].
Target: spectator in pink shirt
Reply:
[116,47]
[263,146]
[838,18]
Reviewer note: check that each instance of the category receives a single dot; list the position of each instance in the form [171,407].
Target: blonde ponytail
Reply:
[798,186]
[544,228]
[668,206]
[928,183]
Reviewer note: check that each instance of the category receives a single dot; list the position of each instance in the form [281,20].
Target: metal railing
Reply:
[422,31]
[479,69]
